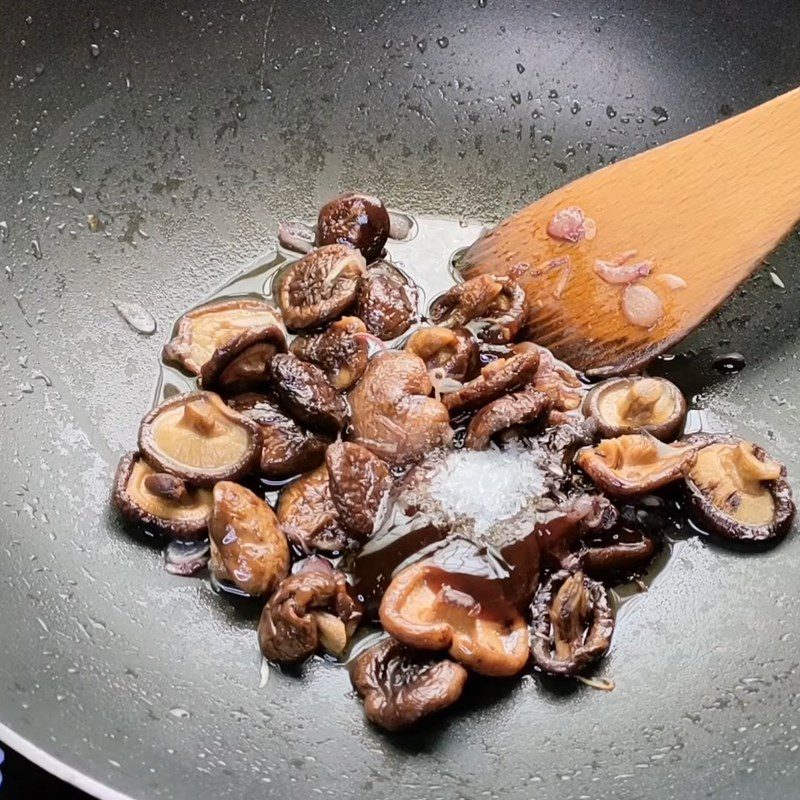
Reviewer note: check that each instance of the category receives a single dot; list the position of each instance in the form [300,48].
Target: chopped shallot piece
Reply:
[570,225]
[589,229]
[617,271]
[553,263]
[672,281]
[563,280]
[641,306]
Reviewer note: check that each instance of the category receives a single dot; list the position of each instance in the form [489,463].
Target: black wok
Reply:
[183,135]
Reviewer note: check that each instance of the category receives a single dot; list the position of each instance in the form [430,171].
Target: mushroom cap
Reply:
[248,539]
[455,351]
[555,378]
[243,363]
[520,408]
[198,438]
[308,516]
[431,609]
[338,352]
[359,220]
[637,404]
[359,485]
[305,393]
[159,500]
[208,328]
[465,301]
[738,491]
[391,413]
[572,623]
[286,448]
[401,686]
[319,286]
[635,464]
[496,379]
[384,301]
[308,610]
[507,314]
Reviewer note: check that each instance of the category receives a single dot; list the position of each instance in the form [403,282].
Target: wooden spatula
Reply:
[702,211]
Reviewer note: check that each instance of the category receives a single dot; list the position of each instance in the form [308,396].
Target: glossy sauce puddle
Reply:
[429,256]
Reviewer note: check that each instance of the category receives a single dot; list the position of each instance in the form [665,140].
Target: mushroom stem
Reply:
[750,468]
[332,632]
[640,400]
[167,486]
[198,418]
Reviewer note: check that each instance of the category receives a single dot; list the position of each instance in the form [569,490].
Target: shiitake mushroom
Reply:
[212,326]
[391,412]
[198,438]
[430,609]
[355,219]
[635,464]
[309,611]
[243,363]
[319,286]
[637,405]
[401,686]
[451,352]
[737,490]
[338,351]
[287,449]
[572,624]
[520,408]
[496,379]
[160,500]
[359,484]
[305,393]
[308,515]
[384,301]
[249,543]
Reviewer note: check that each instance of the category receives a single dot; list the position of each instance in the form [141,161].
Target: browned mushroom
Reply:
[401,686]
[555,378]
[465,301]
[738,491]
[338,352]
[356,219]
[198,438]
[243,363]
[635,464]
[392,414]
[496,379]
[452,352]
[500,302]
[507,313]
[304,392]
[359,484]
[286,448]
[520,408]
[248,540]
[572,624]
[160,500]
[617,555]
[308,515]
[210,327]
[431,609]
[319,286]
[309,611]
[636,405]
[384,301]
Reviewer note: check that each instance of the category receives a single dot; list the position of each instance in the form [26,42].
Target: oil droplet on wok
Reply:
[730,363]
[137,317]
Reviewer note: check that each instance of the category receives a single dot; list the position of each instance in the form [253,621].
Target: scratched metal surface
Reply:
[147,151]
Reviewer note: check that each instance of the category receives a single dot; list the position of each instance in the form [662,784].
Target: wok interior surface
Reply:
[148,151]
